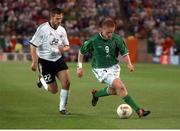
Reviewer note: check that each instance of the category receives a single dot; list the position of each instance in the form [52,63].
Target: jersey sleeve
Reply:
[122,47]
[86,47]
[37,37]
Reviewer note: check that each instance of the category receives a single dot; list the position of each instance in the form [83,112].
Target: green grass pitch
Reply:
[24,106]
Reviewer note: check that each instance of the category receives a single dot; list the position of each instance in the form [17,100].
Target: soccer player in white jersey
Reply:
[47,46]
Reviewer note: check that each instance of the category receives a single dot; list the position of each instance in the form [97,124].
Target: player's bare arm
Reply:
[128,62]
[63,49]
[34,57]
[79,71]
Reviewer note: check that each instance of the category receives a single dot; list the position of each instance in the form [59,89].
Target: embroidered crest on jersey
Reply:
[54,41]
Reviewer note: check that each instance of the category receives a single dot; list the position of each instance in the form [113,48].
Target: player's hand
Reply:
[130,67]
[61,49]
[79,72]
[34,66]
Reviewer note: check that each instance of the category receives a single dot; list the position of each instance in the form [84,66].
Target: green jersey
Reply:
[104,51]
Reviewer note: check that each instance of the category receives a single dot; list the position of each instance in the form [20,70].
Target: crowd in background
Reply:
[19,19]
[158,21]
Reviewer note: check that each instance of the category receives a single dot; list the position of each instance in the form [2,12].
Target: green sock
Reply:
[102,92]
[131,102]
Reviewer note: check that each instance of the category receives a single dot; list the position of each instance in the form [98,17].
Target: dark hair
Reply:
[108,22]
[55,11]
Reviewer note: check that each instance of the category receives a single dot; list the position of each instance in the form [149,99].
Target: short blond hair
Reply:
[108,22]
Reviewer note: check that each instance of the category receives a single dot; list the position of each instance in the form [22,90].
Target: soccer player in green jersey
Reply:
[105,48]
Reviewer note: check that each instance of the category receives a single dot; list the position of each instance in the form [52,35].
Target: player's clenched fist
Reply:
[33,66]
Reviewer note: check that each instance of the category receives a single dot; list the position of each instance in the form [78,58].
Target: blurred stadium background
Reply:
[151,28]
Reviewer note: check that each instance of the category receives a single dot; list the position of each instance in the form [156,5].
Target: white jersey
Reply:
[46,39]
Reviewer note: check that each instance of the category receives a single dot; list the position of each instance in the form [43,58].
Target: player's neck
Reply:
[101,34]
[52,26]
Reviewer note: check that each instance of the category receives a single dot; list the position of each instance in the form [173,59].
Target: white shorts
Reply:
[107,75]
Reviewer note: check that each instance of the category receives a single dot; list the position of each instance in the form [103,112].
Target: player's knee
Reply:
[54,91]
[123,91]
[123,94]
[66,84]
[120,88]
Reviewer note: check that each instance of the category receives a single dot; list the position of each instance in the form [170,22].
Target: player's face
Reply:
[56,20]
[107,32]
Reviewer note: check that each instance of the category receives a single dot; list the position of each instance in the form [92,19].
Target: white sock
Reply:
[63,99]
[45,85]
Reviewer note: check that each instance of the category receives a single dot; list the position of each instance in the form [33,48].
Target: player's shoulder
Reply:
[42,26]
[61,28]
[117,37]
[94,37]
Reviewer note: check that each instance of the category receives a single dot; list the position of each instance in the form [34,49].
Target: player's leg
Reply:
[63,76]
[49,83]
[52,87]
[102,75]
[106,91]
[47,76]
[122,92]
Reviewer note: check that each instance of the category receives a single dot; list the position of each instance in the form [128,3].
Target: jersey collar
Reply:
[52,26]
[100,34]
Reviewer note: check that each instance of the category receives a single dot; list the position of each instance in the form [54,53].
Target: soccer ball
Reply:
[124,111]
